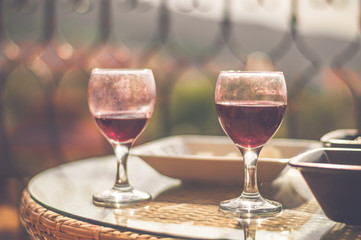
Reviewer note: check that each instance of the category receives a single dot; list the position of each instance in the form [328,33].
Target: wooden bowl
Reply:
[334,177]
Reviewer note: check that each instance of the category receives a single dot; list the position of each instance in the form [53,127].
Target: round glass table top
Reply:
[185,210]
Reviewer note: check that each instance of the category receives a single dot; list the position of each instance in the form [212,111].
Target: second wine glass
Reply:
[121,102]
[250,108]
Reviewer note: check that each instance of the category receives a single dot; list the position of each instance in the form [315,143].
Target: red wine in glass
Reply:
[250,124]
[122,127]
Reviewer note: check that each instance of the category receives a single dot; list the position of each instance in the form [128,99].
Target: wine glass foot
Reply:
[115,198]
[250,207]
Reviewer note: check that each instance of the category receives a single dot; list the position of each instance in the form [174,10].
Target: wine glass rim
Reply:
[250,72]
[121,70]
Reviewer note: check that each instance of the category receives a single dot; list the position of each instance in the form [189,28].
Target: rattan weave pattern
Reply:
[42,224]
[45,224]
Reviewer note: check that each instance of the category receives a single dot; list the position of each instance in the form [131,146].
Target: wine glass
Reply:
[250,108]
[121,102]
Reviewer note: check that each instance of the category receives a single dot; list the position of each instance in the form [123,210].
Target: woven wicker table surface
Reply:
[189,210]
[42,223]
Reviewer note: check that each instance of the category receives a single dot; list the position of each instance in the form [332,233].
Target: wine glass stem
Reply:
[249,229]
[250,156]
[121,154]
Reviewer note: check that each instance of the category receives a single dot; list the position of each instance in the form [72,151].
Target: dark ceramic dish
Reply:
[344,138]
[334,177]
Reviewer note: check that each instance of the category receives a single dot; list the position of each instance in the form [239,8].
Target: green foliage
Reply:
[320,112]
[192,106]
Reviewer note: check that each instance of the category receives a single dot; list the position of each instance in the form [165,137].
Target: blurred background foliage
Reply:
[49,48]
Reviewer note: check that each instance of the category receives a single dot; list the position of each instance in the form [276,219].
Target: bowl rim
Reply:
[298,163]
[333,137]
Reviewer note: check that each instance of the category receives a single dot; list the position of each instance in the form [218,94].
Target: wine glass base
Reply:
[250,207]
[115,198]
